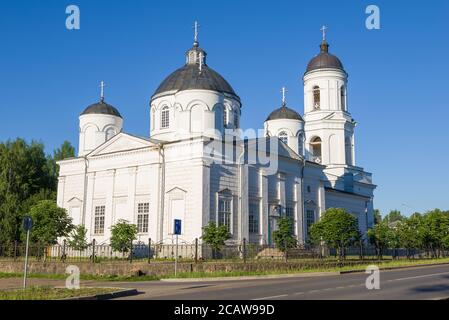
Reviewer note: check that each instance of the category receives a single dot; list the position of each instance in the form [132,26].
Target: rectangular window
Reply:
[224,212]
[254,214]
[99,220]
[165,118]
[310,219]
[143,210]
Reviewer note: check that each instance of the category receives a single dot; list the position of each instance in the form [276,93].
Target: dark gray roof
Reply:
[101,108]
[324,60]
[284,113]
[189,77]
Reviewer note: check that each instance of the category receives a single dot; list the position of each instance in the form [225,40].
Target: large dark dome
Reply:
[324,60]
[284,113]
[101,108]
[188,78]
[195,74]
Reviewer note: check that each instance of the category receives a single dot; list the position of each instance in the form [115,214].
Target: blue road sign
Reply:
[177,227]
[27,223]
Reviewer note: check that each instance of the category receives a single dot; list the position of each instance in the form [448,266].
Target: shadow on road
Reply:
[432,288]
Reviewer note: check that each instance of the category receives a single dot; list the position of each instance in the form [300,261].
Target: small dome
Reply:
[324,60]
[195,74]
[284,113]
[102,108]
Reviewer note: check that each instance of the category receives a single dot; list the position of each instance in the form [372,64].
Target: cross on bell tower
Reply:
[102,86]
[284,91]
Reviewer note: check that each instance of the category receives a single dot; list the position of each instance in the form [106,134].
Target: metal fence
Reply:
[194,252]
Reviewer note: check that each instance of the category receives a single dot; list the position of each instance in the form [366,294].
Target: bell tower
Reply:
[329,127]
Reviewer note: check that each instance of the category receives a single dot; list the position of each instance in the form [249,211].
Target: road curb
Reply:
[274,276]
[398,268]
[107,296]
[295,275]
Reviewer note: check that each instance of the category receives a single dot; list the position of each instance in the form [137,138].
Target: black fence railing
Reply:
[196,252]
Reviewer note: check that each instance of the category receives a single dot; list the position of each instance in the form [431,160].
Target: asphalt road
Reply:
[404,284]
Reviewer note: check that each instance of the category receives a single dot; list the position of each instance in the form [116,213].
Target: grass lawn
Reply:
[380,264]
[50,293]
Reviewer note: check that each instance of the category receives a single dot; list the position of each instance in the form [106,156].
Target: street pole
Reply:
[26,260]
[176,257]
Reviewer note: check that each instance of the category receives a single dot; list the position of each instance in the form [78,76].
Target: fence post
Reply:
[149,250]
[93,251]
[196,250]
[131,252]
[63,251]
[286,251]
[15,250]
[244,250]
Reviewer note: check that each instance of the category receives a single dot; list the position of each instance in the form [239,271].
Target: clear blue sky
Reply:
[398,90]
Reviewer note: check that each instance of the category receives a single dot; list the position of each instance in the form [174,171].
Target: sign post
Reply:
[177,230]
[27,225]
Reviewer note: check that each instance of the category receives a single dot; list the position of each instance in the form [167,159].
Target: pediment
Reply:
[121,142]
[176,190]
[75,200]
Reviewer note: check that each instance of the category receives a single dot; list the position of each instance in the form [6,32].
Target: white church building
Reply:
[196,167]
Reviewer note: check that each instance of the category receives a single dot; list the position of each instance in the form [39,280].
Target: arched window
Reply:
[315,146]
[316,97]
[283,136]
[236,119]
[343,98]
[348,149]
[225,117]
[300,145]
[165,118]
[110,133]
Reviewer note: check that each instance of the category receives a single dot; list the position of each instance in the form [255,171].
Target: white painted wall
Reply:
[193,113]
[294,130]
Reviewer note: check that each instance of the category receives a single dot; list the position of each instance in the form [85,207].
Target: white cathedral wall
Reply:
[184,191]
[119,182]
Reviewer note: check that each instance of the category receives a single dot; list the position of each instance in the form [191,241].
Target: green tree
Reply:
[215,236]
[435,226]
[408,233]
[24,180]
[78,238]
[49,222]
[122,235]
[337,229]
[379,237]
[283,237]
